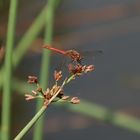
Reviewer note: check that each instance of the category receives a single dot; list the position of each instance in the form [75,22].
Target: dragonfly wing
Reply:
[62,65]
[93,53]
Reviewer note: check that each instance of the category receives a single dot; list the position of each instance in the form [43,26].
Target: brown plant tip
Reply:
[75,100]
[79,69]
[57,75]
[34,92]
[47,94]
[46,102]
[89,68]
[32,79]
[54,89]
[75,69]
[39,89]
[65,97]
[29,97]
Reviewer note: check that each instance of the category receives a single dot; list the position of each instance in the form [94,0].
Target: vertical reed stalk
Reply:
[5,134]
[25,42]
[30,124]
[38,133]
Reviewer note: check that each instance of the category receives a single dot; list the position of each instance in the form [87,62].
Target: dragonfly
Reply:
[73,54]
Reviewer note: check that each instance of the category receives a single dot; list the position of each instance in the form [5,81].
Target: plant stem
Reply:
[29,36]
[104,114]
[38,132]
[27,39]
[30,124]
[5,134]
[93,110]
[37,116]
[25,42]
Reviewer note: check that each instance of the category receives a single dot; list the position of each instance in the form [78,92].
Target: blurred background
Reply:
[112,26]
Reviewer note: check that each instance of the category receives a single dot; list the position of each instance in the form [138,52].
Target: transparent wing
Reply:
[92,53]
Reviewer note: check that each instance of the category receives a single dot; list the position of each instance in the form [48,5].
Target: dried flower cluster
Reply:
[79,69]
[56,93]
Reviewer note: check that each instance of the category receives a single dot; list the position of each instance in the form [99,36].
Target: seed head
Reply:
[34,92]
[29,97]
[32,79]
[75,100]
[57,75]
[75,69]
[89,68]
[65,97]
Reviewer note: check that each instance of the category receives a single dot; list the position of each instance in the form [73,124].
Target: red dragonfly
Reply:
[73,54]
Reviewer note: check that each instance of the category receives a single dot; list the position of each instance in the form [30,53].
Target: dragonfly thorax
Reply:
[74,55]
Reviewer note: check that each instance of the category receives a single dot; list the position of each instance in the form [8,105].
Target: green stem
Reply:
[30,124]
[104,114]
[25,42]
[5,134]
[27,39]
[38,133]
[29,36]
[93,110]
[37,116]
